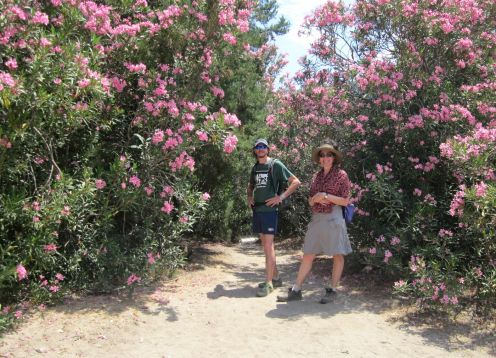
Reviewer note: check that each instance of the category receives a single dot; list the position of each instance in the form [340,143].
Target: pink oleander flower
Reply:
[445,233]
[50,247]
[167,190]
[22,273]
[387,256]
[458,202]
[395,240]
[151,258]
[232,120]
[133,278]
[4,142]
[100,184]
[18,314]
[6,310]
[66,211]
[158,136]
[480,189]
[167,207]
[6,79]
[59,276]
[40,18]
[218,92]
[138,68]
[54,288]
[371,176]
[372,251]
[205,196]
[270,120]
[39,160]
[445,299]
[183,219]
[118,84]
[148,190]
[202,136]
[36,206]
[229,38]
[135,181]
[230,143]
[84,83]
[11,63]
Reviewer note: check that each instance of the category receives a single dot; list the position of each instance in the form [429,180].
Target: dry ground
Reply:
[210,310]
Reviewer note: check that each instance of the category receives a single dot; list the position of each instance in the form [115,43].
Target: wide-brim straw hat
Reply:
[338,155]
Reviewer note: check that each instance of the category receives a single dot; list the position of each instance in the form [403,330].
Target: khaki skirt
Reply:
[327,234]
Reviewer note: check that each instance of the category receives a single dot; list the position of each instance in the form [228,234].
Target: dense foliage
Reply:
[407,89]
[111,115]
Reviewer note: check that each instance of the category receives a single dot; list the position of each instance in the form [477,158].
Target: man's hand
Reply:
[251,202]
[274,201]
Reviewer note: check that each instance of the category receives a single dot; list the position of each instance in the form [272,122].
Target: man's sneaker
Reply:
[330,294]
[265,290]
[276,282]
[292,296]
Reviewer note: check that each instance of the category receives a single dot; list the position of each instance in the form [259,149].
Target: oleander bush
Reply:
[107,112]
[407,90]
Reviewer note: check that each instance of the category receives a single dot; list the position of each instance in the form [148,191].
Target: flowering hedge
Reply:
[103,107]
[407,89]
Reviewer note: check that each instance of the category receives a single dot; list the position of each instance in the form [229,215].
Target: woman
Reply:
[326,233]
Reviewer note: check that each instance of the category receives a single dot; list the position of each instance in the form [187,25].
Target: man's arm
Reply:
[293,184]
[249,194]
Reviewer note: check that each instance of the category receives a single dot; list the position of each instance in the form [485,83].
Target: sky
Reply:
[295,46]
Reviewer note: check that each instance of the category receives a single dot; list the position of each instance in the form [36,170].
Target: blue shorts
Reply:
[265,222]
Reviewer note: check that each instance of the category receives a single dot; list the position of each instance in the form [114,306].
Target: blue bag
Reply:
[348,212]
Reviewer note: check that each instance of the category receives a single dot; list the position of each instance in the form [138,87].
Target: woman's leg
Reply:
[337,270]
[294,293]
[305,267]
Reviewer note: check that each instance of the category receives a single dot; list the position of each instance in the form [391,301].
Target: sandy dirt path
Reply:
[210,310]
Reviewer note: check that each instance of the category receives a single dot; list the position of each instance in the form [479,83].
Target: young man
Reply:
[266,177]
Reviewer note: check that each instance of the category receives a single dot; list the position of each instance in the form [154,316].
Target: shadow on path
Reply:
[360,293]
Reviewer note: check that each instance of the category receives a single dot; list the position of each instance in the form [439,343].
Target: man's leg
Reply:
[275,273]
[270,256]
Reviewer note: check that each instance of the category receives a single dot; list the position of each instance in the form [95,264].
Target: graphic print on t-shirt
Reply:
[261,180]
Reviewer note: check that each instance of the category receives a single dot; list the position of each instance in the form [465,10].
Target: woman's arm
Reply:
[337,200]
[318,198]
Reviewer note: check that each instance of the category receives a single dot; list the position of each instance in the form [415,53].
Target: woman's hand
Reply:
[326,199]
[319,198]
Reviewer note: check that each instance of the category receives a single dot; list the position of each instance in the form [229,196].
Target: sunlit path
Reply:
[211,310]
